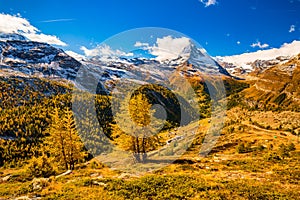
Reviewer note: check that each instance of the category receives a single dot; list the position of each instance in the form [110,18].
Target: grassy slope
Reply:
[223,174]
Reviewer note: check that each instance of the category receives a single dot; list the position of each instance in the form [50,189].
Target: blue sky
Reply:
[225,27]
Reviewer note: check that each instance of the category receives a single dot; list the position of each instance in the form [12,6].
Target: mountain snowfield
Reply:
[245,60]
[175,51]
[24,58]
[21,56]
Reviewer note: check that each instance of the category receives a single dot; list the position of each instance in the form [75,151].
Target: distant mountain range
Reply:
[241,65]
[21,57]
[273,75]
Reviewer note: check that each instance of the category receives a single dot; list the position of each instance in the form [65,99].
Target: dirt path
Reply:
[277,132]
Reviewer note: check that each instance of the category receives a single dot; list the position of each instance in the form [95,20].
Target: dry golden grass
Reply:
[224,173]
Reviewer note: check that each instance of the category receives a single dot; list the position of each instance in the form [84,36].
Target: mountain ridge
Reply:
[245,63]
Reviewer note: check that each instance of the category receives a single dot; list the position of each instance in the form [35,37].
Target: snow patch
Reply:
[244,60]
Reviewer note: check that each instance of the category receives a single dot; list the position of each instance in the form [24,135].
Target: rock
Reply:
[124,176]
[26,198]
[39,183]
[64,174]
[23,198]
[95,175]
[127,176]
[99,183]
[6,178]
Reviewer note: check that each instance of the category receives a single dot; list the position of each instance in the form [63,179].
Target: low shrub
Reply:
[40,167]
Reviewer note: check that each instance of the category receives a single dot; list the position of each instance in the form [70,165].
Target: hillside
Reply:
[275,87]
[254,156]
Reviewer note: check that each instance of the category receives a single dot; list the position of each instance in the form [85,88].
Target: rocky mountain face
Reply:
[274,81]
[23,64]
[20,57]
[276,86]
[257,66]
[242,64]
[10,37]
[33,59]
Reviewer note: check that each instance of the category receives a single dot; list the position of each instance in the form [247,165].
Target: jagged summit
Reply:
[12,37]
[26,58]
[199,58]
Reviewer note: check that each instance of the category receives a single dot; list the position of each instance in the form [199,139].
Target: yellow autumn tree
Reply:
[136,128]
[63,142]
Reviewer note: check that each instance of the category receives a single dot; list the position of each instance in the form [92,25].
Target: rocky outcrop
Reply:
[36,59]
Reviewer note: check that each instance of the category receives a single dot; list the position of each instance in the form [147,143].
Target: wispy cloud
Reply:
[17,24]
[104,51]
[292,28]
[141,44]
[259,45]
[209,2]
[57,20]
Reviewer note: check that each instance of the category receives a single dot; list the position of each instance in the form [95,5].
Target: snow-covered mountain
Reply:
[260,60]
[13,36]
[191,62]
[198,57]
[21,57]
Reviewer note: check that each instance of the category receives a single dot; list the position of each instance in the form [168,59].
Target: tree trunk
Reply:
[144,153]
[63,151]
[137,150]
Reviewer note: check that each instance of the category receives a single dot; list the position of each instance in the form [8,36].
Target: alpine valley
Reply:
[256,155]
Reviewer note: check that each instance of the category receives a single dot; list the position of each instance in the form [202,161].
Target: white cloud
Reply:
[57,20]
[140,44]
[50,39]
[104,51]
[259,45]
[209,2]
[17,24]
[292,28]
[238,42]
[168,48]
[287,49]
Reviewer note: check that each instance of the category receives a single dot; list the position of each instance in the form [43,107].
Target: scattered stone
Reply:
[95,175]
[127,176]
[26,198]
[6,178]
[39,183]
[23,198]
[64,174]
[99,183]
